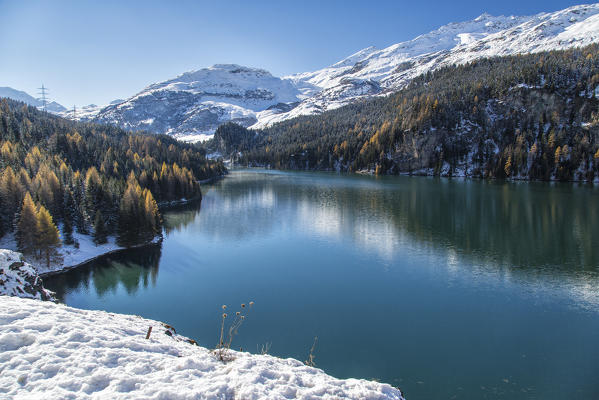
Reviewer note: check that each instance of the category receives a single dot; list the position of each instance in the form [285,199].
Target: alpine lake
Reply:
[447,288]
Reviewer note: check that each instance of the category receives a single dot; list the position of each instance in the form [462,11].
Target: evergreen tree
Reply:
[48,237]
[68,210]
[129,228]
[27,227]
[67,231]
[100,232]
[11,193]
[47,189]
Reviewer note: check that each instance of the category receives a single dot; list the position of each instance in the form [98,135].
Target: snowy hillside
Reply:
[196,102]
[57,352]
[18,278]
[374,72]
[86,113]
[19,95]
[69,256]
[192,105]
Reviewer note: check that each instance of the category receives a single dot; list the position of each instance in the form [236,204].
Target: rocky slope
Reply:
[18,278]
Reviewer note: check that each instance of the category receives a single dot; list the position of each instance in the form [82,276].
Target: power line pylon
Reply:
[43,91]
[74,113]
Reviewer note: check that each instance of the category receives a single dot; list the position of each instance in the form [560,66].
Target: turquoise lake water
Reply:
[449,289]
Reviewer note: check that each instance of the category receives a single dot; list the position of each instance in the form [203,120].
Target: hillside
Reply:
[195,103]
[528,117]
[26,98]
[66,183]
[372,72]
[192,105]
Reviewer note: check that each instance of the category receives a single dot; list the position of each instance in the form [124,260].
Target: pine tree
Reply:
[48,237]
[1,224]
[27,228]
[100,231]
[129,229]
[67,231]
[12,194]
[47,189]
[69,211]
[94,193]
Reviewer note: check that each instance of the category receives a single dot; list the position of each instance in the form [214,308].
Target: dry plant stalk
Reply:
[310,361]
[223,347]
[265,348]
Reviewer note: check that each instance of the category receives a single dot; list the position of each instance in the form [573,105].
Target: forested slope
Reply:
[527,116]
[94,178]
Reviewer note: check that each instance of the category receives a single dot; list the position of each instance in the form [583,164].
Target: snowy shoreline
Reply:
[53,351]
[72,257]
[156,240]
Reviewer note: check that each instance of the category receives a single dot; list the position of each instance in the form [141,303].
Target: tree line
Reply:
[94,179]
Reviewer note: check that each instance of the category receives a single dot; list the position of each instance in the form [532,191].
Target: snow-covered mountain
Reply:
[19,95]
[375,72]
[192,105]
[196,103]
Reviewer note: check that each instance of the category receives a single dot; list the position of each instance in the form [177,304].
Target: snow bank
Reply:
[17,278]
[69,255]
[53,351]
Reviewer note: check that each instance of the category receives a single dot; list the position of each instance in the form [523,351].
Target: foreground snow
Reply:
[52,351]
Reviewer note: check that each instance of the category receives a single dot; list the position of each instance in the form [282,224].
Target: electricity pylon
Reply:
[43,91]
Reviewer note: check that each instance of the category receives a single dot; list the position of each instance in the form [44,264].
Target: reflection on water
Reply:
[135,269]
[447,288]
[532,231]
[522,224]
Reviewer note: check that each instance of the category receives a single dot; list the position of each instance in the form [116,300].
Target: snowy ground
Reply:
[51,351]
[18,278]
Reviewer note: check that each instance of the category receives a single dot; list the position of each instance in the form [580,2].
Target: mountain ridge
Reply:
[193,104]
[25,97]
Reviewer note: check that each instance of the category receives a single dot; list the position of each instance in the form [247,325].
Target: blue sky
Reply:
[97,51]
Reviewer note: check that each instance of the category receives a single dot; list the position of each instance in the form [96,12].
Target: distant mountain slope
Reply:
[192,105]
[531,116]
[26,98]
[374,72]
[197,102]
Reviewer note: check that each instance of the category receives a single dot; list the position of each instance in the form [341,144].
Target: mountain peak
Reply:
[484,16]
[196,102]
[236,69]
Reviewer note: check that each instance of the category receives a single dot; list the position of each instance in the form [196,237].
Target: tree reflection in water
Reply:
[130,268]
